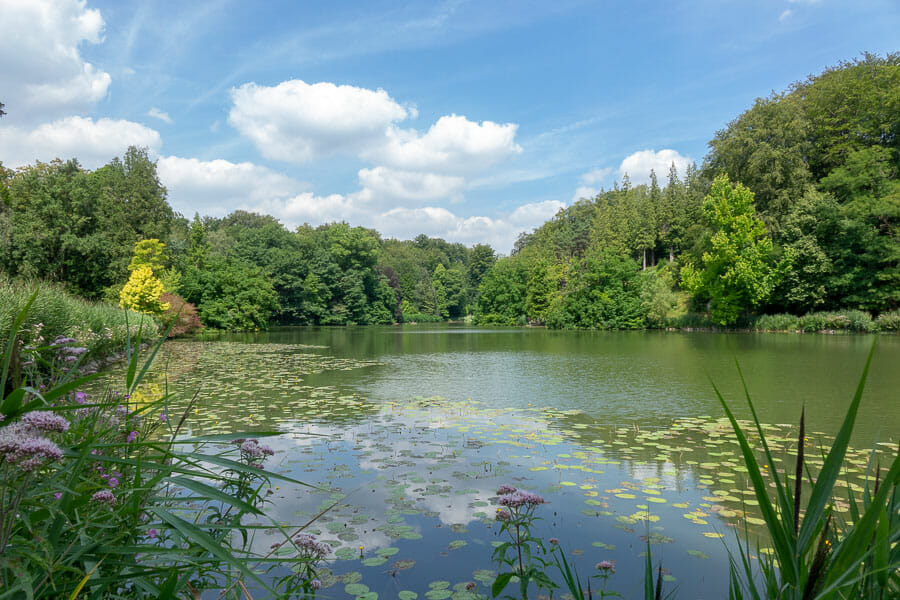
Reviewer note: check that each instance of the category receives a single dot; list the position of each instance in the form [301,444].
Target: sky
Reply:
[467,120]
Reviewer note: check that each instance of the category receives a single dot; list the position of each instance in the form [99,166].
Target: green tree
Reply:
[739,270]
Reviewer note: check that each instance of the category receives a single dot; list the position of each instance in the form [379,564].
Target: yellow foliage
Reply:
[142,292]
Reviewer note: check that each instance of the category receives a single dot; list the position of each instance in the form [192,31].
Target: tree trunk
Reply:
[644,265]
[671,254]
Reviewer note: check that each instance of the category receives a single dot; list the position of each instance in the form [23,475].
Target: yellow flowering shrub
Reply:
[142,292]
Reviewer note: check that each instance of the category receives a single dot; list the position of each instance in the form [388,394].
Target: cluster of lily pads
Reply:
[409,484]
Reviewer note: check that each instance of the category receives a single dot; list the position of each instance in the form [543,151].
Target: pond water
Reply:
[412,429]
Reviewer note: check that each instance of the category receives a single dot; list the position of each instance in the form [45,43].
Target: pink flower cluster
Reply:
[24,443]
[309,548]
[515,498]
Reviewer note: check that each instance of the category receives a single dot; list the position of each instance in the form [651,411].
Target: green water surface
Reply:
[412,429]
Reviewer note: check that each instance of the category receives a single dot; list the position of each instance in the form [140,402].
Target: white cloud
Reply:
[158,114]
[297,122]
[453,144]
[785,15]
[392,185]
[535,213]
[596,176]
[584,191]
[93,143]
[217,187]
[639,164]
[42,74]
[313,209]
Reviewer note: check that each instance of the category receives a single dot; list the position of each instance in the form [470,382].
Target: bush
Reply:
[781,322]
[851,320]
[98,326]
[888,321]
[183,313]
[106,490]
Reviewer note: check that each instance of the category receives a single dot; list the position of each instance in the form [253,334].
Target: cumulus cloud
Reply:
[296,122]
[158,114]
[393,184]
[42,74]
[216,187]
[93,143]
[534,213]
[453,144]
[584,191]
[596,176]
[639,164]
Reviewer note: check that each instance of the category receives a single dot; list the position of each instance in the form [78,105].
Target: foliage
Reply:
[142,292]
[232,295]
[181,317]
[103,329]
[103,495]
[739,269]
[524,553]
[61,223]
[888,321]
[823,159]
[817,555]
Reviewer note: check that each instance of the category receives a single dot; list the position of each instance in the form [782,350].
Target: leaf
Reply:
[194,533]
[500,583]
[213,493]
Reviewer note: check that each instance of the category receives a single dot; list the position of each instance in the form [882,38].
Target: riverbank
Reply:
[97,333]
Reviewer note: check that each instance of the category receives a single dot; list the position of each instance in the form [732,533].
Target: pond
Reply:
[409,431]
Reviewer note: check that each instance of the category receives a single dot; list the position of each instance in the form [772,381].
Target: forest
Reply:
[795,210]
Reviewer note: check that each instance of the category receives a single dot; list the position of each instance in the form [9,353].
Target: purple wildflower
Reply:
[20,444]
[80,397]
[554,541]
[112,482]
[309,548]
[152,533]
[253,449]
[521,498]
[57,495]
[104,497]
[505,489]
[315,584]
[45,421]
[131,437]
[163,417]
[503,514]
[607,565]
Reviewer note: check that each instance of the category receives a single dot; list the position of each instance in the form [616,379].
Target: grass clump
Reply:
[817,554]
[103,329]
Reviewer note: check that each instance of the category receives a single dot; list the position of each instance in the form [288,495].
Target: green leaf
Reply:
[822,490]
[213,493]
[195,534]
[500,583]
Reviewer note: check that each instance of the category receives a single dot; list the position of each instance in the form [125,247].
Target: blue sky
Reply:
[472,121]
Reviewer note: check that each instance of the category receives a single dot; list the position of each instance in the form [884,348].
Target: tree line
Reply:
[795,209]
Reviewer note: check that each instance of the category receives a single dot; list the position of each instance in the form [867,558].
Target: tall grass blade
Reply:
[8,354]
[798,471]
[784,545]
[824,485]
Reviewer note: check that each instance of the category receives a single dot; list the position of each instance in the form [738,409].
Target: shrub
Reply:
[850,320]
[888,321]
[142,292]
[103,328]
[780,322]
[183,313]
